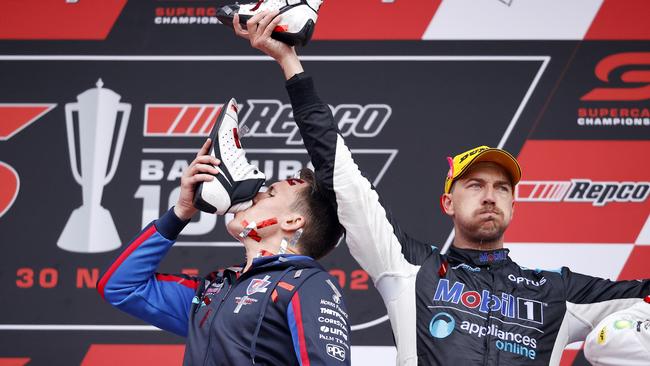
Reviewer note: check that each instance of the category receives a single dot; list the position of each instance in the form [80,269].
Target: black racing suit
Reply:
[465,307]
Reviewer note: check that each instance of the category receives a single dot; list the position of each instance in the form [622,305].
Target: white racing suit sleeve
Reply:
[589,300]
[391,257]
[374,240]
[621,339]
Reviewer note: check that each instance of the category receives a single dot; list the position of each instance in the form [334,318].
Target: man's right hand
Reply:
[200,170]
[258,31]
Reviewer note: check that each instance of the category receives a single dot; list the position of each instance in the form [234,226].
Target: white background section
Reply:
[601,260]
[373,355]
[523,19]
[644,235]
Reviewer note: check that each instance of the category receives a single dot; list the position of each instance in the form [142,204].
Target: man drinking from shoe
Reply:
[472,305]
[280,307]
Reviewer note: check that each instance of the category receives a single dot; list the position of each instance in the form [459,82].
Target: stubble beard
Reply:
[484,231]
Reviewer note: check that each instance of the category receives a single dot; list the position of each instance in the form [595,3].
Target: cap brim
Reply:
[498,156]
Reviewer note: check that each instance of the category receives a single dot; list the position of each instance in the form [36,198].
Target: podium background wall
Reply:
[564,87]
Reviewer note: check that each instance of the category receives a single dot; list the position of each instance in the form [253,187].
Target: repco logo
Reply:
[270,118]
[634,66]
[582,190]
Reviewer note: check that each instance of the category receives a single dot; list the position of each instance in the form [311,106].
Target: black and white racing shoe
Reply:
[298,17]
[238,181]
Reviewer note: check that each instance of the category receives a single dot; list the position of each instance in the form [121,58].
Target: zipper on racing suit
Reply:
[486,353]
[232,282]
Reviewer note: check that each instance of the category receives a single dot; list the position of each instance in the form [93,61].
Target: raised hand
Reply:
[200,170]
[258,33]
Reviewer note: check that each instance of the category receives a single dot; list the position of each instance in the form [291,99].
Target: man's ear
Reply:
[446,204]
[292,222]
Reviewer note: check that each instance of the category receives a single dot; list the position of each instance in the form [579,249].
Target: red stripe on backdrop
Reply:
[136,243]
[637,266]
[186,120]
[14,361]
[16,117]
[57,19]
[297,312]
[160,118]
[621,19]
[374,19]
[133,354]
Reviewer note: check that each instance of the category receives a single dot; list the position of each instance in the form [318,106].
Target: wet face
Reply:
[276,202]
[481,203]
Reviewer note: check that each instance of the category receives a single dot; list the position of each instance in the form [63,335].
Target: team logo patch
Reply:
[258,285]
[442,325]
[335,351]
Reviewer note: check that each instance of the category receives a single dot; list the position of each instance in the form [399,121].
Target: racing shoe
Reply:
[238,181]
[298,17]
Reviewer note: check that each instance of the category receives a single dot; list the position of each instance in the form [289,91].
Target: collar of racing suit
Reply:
[497,257]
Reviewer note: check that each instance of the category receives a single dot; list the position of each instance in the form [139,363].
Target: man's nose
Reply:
[488,195]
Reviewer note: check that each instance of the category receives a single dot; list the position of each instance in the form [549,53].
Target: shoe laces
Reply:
[240,165]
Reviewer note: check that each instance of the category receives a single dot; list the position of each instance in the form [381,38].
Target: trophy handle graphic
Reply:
[124,122]
[69,108]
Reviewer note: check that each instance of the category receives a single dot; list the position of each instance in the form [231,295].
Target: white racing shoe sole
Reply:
[238,181]
[296,26]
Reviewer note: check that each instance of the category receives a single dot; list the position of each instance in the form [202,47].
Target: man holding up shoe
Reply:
[472,305]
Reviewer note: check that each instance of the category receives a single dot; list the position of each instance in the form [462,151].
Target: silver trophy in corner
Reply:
[90,228]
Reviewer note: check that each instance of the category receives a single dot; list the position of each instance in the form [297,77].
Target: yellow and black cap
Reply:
[460,163]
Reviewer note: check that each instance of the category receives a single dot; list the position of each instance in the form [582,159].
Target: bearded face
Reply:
[481,203]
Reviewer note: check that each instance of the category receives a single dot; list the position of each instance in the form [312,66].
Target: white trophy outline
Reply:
[90,228]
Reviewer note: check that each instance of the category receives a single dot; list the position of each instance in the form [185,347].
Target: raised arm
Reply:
[375,241]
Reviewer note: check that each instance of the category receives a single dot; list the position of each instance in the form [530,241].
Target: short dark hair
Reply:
[322,229]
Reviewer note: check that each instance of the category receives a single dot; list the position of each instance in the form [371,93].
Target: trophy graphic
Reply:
[90,228]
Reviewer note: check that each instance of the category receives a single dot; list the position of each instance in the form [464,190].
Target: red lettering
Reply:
[25,277]
[359,280]
[87,277]
[340,275]
[48,278]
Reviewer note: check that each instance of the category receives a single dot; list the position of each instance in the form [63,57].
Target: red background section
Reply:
[621,19]
[15,117]
[581,222]
[134,354]
[56,19]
